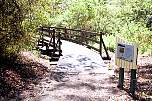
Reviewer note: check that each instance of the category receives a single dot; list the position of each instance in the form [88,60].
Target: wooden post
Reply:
[133,78]
[100,47]
[53,36]
[49,30]
[121,67]
[59,40]
[47,46]
[42,37]
[121,78]
[82,38]
[133,82]
[104,46]
[65,33]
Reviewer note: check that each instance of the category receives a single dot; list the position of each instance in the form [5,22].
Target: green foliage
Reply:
[110,43]
[125,18]
[128,18]
[132,23]
[10,28]
[19,20]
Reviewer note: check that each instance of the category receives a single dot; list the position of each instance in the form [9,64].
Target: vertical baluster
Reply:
[42,37]
[53,36]
[65,34]
[100,47]
[59,40]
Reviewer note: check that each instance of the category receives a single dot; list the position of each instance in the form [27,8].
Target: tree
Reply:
[19,20]
[11,16]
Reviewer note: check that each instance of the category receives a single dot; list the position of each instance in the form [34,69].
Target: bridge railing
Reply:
[81,37]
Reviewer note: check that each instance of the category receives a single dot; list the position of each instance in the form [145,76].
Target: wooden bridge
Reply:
[50,41]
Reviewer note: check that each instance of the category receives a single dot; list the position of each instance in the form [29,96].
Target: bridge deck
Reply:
[77,58]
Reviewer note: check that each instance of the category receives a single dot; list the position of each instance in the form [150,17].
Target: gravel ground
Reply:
[80,75]
[92,82]
[81,87]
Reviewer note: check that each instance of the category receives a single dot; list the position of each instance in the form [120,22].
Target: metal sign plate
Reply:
[125,52]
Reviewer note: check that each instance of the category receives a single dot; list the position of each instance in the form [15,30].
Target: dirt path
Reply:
[80,75]
[78,87]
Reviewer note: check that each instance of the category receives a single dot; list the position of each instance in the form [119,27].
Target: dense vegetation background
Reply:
[19,20]
[128,18]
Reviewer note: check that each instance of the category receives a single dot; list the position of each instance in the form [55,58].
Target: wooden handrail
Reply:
[82,35]
[89,46]
[77,30]
[89,39]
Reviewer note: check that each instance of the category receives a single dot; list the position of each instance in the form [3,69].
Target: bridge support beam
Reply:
[104,46]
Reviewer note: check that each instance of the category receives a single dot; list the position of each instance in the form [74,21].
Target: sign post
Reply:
[133,82]
[121,78]
[126,58]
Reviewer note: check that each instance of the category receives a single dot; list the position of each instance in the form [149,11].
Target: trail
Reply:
[80,75]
